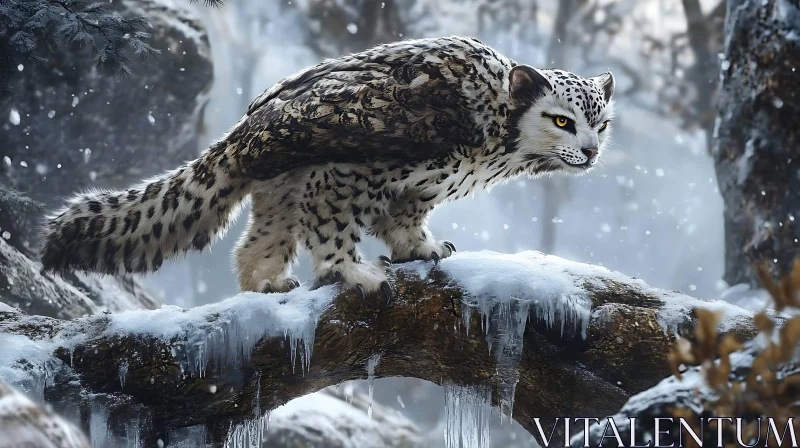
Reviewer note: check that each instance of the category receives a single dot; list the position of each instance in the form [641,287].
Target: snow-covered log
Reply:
[539,334]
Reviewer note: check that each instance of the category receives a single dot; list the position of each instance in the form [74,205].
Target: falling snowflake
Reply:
[13,117]
[352,28]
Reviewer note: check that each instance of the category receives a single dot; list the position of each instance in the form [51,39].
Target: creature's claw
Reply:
[328,279]
[435,257]
[291,284]
[362,293]
[449,245]
[288,284]
[387,291]
[383,261]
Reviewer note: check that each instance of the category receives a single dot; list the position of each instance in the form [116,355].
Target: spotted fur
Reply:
[368,142]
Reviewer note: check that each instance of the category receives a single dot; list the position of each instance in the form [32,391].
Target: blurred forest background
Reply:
[652,209]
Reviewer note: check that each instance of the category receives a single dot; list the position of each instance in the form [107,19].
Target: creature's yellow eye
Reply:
[603,126]
[561,121]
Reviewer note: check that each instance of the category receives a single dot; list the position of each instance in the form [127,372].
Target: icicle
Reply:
[249,434]
[123,372]
[231,340]
[372,363]
[133,434]
[257,406]
[348,391]
[98,426]
[468,411]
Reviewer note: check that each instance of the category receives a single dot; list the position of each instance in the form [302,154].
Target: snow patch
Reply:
[677,309]
[544,283]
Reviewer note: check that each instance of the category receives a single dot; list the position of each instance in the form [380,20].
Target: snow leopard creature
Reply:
[372,141]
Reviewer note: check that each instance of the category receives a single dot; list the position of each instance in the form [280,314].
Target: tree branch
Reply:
[628,334]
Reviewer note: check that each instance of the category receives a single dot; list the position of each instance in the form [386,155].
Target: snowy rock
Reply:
[325,419]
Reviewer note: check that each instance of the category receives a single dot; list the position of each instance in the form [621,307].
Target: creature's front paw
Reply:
[285,284]
[365,278]
[434,251]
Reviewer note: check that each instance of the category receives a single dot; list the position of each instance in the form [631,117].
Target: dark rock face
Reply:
[757,152]
[78,128]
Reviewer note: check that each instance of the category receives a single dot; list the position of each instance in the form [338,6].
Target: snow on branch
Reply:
[529,333]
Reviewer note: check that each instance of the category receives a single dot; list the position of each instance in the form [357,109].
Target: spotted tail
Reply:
[135,230]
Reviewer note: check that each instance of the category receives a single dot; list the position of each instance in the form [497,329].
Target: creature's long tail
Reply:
[135,230]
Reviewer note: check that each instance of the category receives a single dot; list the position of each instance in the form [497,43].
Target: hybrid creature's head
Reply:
[561,122]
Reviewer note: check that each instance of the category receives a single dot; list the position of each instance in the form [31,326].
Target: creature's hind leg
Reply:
[404,229]
[266,251]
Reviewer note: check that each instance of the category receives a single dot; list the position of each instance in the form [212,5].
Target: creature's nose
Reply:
[591,153]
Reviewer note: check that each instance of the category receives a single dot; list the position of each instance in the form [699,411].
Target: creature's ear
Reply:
[526,83]
[606,83]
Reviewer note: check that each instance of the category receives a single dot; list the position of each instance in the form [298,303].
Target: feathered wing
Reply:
[401,102]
